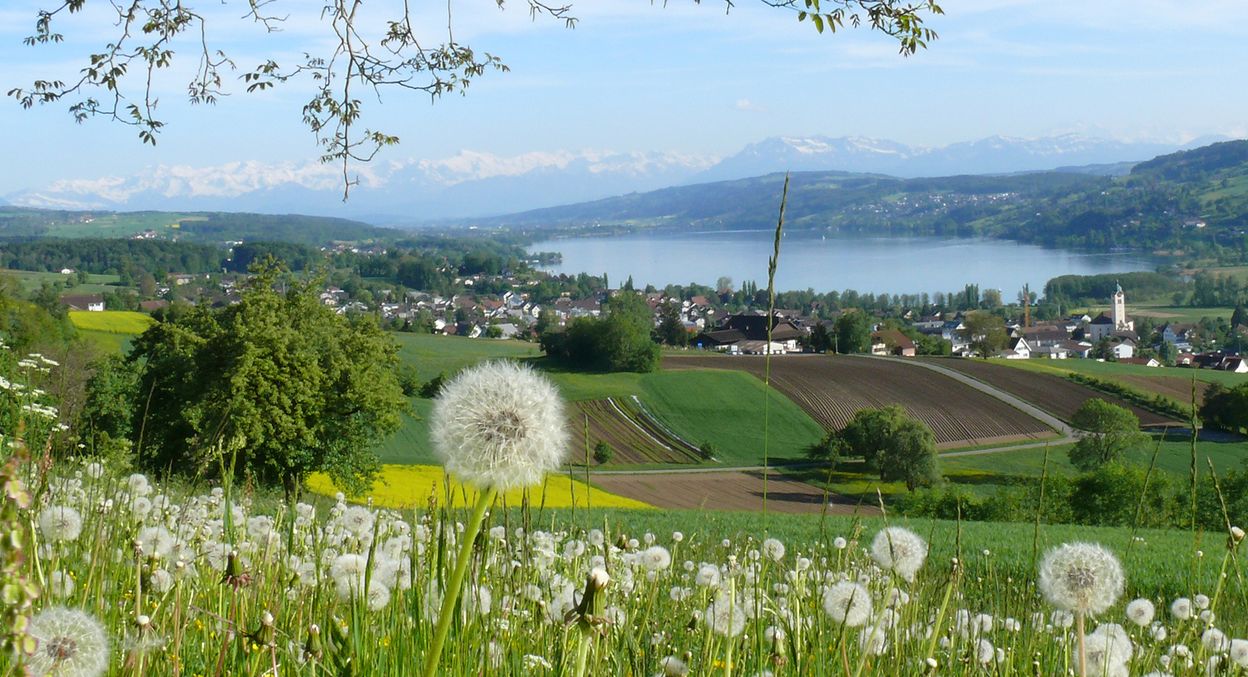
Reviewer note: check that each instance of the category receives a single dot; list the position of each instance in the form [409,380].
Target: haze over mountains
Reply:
[474,184]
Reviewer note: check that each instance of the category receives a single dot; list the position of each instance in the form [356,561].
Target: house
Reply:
[1178,335]
[1123,348]
[150,306]
[1045,335]
[1077,349]
[1060,352]
[90,302]
[1236,364]
[738,328]
[1144,362]
[1018,349]
[891,342]
[1184,360]
[1100,327]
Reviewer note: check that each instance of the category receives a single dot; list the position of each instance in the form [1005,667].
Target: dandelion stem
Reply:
[450,596]
[1083,649]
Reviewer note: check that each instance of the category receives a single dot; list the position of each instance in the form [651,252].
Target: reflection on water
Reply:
[895,265]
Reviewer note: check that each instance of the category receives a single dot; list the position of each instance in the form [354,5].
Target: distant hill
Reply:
[1189,201]
[200,227]
[474,184]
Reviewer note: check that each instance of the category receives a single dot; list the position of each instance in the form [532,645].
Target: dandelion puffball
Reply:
[68,642]
[1082,577]
[899,550]
[848,603]
[499,424]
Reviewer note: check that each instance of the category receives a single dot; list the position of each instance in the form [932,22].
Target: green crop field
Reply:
[119,225]
[1162,314]
[111,321]
[726,409]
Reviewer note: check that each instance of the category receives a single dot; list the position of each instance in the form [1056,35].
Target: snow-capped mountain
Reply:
[478,184]
[992,155]
[468,184]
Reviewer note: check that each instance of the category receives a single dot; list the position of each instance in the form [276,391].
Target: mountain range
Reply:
[475,184]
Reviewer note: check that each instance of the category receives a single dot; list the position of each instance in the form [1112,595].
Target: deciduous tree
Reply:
[1108,433]
[302,388]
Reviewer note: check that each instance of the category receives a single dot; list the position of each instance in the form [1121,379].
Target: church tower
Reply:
[1119,316]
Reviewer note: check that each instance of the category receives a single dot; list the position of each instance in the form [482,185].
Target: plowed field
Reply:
[1051,393]
[726,490]
[632,433]
[832,389]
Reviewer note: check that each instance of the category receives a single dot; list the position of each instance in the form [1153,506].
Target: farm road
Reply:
[1026,407]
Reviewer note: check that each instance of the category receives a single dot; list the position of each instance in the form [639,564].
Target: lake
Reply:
[894,265]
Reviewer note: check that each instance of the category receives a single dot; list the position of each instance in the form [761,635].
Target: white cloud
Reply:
[750,106]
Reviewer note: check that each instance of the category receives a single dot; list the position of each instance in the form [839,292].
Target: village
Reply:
[709,322]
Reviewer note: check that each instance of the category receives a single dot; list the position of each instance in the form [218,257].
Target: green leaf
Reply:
[818,19]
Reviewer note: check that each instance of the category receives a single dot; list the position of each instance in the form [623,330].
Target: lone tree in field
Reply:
[291,387]
[898,447]
[1108,432]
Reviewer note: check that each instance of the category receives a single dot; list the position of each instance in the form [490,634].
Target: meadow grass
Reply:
[431,354]
[31,280]
[111,321]
[108,342]
[1165,313]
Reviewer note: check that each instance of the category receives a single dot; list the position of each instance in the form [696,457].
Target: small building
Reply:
[1018,349]
[1141,361]
[891,342]
[89,302]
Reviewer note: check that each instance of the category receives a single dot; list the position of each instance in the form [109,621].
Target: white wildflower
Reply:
[773,549]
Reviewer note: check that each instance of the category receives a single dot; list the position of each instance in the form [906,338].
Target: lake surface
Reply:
[894,265]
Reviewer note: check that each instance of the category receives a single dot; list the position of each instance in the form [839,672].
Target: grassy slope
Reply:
[432,355]
[1111,369]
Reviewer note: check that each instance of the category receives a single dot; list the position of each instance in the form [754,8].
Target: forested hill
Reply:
[1192,202]
[201,227]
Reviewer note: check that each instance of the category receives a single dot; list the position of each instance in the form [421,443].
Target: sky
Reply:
[683,78]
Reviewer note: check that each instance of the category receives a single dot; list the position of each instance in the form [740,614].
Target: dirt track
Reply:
[724,490]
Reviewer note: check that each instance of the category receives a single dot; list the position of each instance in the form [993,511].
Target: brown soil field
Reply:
[1051,393]
[833,388]
[633,436]
[726,490]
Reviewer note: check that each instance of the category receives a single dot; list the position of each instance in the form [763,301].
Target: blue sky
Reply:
[683,78]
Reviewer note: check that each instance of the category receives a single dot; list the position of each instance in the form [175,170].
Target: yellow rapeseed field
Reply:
[412,486]
[112,321]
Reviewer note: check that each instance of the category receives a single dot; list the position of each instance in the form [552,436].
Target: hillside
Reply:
[201,227]
[1192,202]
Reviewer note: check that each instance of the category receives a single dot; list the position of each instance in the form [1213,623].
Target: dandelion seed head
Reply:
[499,424]
[656,558]
[1239,652]
[673,667]
[725,617]
[60,523]
[848,603]
[773,549]
[60,584]
[1141,612]
[899,550]
[69,643]
[1082,577]
[1181,608]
